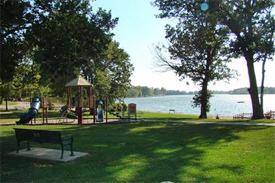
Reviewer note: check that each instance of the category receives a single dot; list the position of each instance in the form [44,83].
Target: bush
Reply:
[118,107]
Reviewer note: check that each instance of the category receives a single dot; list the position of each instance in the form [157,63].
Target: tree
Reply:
[25,79]
[102,85]
[252,24]
[117,64]
[73,40]
[69,40]
[134,92]
[15,19]
[197,48]
[146,92]
[64,39]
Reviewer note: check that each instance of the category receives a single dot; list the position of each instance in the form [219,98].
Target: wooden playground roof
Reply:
[79,81]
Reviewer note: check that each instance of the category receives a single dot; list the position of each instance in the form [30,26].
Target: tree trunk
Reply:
[7,104]
[204,99]
[262,84]
[253,90]
[263,67]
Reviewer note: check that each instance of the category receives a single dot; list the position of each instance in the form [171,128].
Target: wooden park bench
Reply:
[270,115]
[172,110]
[243,116]
[42,136]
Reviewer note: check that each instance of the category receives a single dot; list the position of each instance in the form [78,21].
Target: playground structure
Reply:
[29,116]
[80,100]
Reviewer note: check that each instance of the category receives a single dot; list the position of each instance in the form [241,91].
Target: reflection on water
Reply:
[224,105]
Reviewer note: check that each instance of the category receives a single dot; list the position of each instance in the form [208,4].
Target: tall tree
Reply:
[119,68]
[63,39]
[69,38]
[250,22]
[25,79]
[15,19]
[114,69]
[196,46]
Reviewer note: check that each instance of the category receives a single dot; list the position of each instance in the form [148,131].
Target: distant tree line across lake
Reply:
[145,91]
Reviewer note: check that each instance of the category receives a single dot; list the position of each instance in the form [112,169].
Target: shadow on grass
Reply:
[10,114]
[137,152]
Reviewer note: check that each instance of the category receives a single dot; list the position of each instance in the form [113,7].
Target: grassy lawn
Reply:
[150,152]
[13,115]
[186,117]
[9,103]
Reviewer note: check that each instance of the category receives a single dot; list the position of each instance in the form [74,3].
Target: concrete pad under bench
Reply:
[48,154]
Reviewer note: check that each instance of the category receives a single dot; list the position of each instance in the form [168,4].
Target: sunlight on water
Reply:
[223,105]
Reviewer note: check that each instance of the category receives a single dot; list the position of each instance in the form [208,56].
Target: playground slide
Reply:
[33,111]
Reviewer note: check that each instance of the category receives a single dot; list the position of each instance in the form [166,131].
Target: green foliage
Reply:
[135,91]
[197,100]
[102,85]
[116,63]
[267,90]
[252,24]
[7,90]
[144,91]
[249,23]
[15,19]
[63,39]
[120,107]
[25,80]
[69,41]
[197,47]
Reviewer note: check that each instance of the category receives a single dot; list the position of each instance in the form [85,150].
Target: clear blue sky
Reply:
[138,30]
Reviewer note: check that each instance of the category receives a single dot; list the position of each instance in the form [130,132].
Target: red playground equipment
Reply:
[77,87]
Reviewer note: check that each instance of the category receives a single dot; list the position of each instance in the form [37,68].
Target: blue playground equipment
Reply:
[100,111]
[33,111]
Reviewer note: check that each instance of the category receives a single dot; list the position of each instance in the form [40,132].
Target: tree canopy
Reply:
[197,50]
[61,39]
[250,24]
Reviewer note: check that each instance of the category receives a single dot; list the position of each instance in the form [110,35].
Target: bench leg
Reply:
[18,147]
[72,153]
[62,150]
[28,143]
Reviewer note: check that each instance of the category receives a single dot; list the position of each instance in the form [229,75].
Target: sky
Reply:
[138,30]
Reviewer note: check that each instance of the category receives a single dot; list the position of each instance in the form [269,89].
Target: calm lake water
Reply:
[223,105]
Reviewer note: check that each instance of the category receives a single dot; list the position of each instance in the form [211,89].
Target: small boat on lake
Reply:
[240,102]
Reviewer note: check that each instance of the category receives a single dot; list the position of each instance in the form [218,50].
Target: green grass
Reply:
[150,152]
[13,115]
[9,103]
[186,117]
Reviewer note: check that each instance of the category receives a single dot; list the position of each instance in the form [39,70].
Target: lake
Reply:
[221,104]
